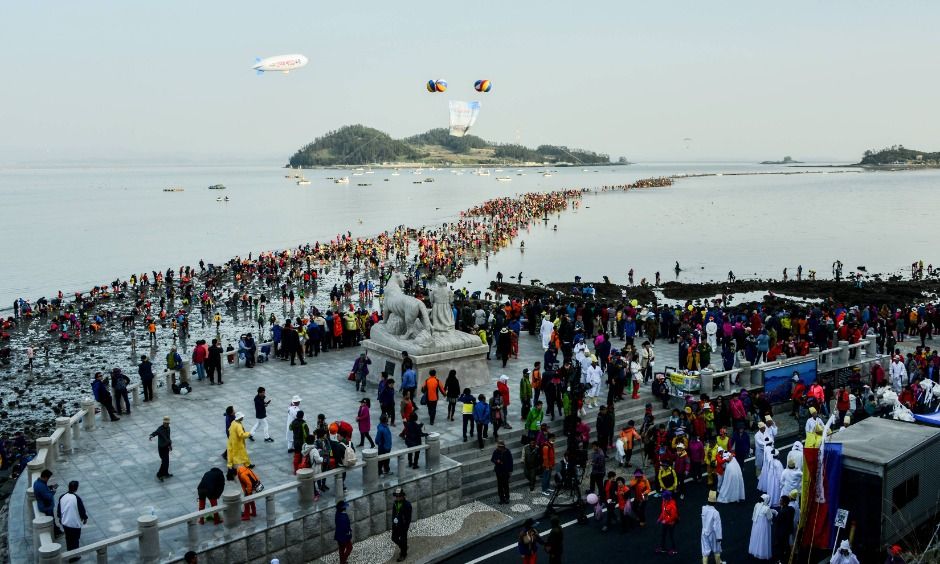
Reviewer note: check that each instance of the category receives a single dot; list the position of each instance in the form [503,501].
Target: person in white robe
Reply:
[767,453]
[546,332]
[732,484]
[711,530]
[774,471]
[844,554]
[760,546]
[791,478]
[760,438]
[292,410]
[593,381]
[796,455]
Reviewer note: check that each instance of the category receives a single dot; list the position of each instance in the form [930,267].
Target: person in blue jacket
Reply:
[481,416]
[383,441]
[343,533]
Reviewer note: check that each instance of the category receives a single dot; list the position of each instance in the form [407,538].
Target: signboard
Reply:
[389,368]
[842,518]
[778,382]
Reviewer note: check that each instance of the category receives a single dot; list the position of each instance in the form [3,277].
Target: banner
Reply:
[817,517]
[778,382]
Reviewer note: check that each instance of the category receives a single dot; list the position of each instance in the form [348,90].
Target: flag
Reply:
[817,512]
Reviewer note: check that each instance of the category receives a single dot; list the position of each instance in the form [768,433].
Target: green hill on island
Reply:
[361,145]
[898,155]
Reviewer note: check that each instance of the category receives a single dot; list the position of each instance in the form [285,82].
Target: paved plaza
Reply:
[117,465]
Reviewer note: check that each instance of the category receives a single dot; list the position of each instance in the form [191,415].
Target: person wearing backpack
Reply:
[481,416]
[413,434]
[299,432]
[432,389]
[529,541]
[467,400]
[496,413]
[383,440]
[173,360]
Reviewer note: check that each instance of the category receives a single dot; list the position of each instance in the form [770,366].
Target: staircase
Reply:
[477,470]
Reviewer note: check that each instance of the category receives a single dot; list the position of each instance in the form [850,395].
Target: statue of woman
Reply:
[442,313]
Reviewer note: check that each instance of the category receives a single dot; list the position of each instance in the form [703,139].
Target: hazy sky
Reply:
[744,80]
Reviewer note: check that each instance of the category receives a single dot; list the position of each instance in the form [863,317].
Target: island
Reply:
[356,145]
[898,155]
[785,161]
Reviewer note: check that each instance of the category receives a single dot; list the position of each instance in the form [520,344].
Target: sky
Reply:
[652,81]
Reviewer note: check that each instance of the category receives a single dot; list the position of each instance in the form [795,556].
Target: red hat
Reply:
[895,550]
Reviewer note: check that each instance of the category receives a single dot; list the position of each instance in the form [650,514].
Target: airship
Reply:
[279,63]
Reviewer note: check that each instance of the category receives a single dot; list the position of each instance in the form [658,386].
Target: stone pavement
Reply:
[116,464]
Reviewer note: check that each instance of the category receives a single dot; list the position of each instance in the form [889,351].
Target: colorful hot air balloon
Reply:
[482,85]
[440,85]
[431,86]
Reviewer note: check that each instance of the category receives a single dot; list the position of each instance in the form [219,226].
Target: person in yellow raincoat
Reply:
[237,452]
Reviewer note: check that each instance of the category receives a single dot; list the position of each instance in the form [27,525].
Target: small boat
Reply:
[429,179]
[217,187]
[357,174]
[303,182]
[503,179]
[418,171]
[370,171]
[343,180]
[173,189]
[219,199]
[364,184]
[417,182]
[483,172]
[385,179]
[396,173]
[547,174]
[226,198]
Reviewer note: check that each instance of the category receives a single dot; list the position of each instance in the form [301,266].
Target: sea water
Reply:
[69,228]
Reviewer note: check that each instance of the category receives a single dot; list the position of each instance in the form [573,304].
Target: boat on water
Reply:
[396,173]
[503,179]
[547,174]
[418,171]
[364,184]
[226,198]
[417,182]
[343,180]
[217,187]
[303,182]
[483,172]
[370,171]
[357,174]
[429,179]
[219,199]
[173,189]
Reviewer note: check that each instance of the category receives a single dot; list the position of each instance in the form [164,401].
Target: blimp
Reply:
[279,63]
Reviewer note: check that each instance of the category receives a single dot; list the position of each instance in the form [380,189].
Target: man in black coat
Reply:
[401,521]
[214,362]
[145,370]
[782,529]
[211,487]
[502,466]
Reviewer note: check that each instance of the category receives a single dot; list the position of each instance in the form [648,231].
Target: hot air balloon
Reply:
[462,117]
[431,87]
[440,85]
[482,85]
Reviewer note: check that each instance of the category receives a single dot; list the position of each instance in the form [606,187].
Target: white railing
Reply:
[149,528]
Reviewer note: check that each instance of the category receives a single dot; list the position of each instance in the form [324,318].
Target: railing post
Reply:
[76,430]
[102,555]
[30,498]
[232,500]
[65,424]
[744,377]
[88,421]
[149,539]
[135,393]
[170,380]
[370,472]
[306,483]
[35,466]
[41,524]
[706,380]
[50,553]
[192,533]
[871,346]
[46,443]
[433,457]
[401,467]
[270,510]
[338,487]
[843,353]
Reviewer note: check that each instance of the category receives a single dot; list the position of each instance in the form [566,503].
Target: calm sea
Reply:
[71,228]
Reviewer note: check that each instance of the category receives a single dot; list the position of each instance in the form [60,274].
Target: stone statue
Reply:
[407,325]
[442,312]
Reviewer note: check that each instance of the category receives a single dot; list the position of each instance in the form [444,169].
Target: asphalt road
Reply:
[587,543]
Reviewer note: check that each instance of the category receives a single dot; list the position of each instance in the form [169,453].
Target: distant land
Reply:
[785,161]
[361,145]
[897,155]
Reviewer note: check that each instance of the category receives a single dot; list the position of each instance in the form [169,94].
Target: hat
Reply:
[761,425]
[398,491]
[295,399]
[765,498]
[593,358]
[364,400]
[768,418]
[341,505]
[896,550]
[794,493]
[845,545]
[796,378]
[688,409]
[812,411]
[504,378]
[712,496]
[239,416]
[525,370]
[166,418]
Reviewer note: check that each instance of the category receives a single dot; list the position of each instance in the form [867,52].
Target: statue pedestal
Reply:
[469,362]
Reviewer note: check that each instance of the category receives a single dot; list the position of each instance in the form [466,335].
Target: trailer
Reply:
[889,482]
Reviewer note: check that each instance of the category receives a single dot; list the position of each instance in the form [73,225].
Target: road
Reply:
[587,543]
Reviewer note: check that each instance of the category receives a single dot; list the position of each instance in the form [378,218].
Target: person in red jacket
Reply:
[668,516]
[797,396]
[503,387]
